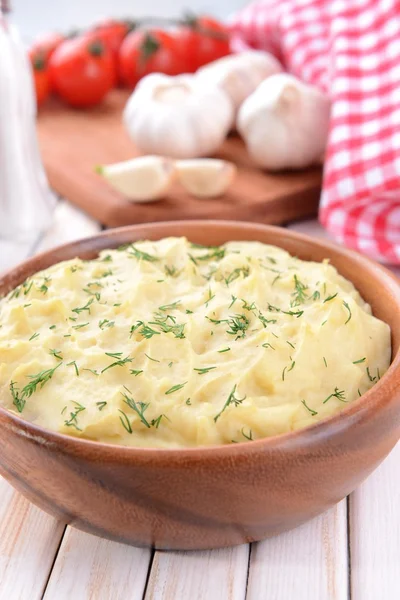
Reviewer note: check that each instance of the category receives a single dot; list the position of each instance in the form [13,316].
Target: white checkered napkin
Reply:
[351,49]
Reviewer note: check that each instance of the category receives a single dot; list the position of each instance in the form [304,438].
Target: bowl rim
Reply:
[305,437]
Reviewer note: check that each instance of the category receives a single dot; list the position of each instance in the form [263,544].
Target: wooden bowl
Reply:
[215,496]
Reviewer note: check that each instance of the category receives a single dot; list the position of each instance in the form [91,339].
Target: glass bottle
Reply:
[26,203]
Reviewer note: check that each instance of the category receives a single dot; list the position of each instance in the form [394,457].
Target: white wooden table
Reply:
[351,551]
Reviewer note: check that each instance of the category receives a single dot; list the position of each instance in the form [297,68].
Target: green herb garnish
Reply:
[101,405]
[125,421]
[175,388]
[361,360]
[120,362]
[106,323]
[249,436]
[299,296]
[204,370]
[347,307]
[235,274]
[238,325]
[55,353]
[169,306]
[339,394]
[153,359]
[231,400]
[72,421]
[133,251]
[78,310]
[138,407]
[310,410]
[136,372]
[75,366]
[329,298]
[80,326]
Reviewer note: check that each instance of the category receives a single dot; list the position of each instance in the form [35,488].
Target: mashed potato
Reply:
[171,344]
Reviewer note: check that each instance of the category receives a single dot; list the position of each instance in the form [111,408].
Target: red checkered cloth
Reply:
[351,49]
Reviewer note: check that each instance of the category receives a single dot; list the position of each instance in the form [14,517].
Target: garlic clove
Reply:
[285,123]
[142,179]
[205,177]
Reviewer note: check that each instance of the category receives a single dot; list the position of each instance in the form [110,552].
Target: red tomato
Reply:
[40,76]
[149,51]
[82,71]
[47,43]
[203,40]
[110,32]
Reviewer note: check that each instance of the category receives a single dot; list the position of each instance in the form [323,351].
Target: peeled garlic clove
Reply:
[240,74]
[285,123]
[205,177]
[142,179]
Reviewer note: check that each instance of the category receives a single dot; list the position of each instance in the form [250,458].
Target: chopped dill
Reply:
[249,436]
[75,366]
[136,372]
[120,362]
[79,310]
[329,298]
[204,370]
[299,296]
[135,253]
[72,421]
[361,360]
[169,306]
[235,274]
[175,388]
[310,410]
[106,323]
[234,298]
[231,400]
[339,394]
[125,422]
[138,407]
[268,345]
[153,359]
[347,307]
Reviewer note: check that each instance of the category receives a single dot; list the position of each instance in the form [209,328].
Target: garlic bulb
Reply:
[285,123]
[141,179]
[205,177]
[179,117]
[240,74]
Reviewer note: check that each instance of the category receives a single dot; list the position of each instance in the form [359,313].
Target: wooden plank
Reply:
[90,567]
[375,533]
[29,539]
[73,142]
[219,574]
[308,563]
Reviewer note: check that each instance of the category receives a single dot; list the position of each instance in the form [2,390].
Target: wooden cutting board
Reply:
[73,142]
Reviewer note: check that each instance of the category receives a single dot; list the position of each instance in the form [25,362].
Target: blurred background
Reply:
[32,17]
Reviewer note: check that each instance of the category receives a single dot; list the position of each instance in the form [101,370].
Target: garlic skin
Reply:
[142,179]
[205,177]
[285,123]
[178,117]
[240,74]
